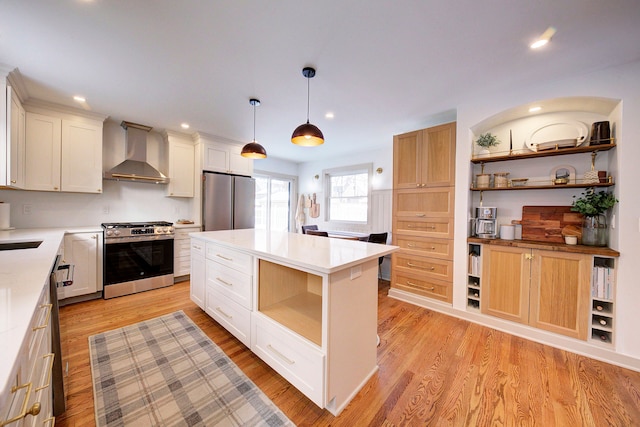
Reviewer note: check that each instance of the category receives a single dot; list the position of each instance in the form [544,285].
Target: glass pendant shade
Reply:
[307,135]
[253,150]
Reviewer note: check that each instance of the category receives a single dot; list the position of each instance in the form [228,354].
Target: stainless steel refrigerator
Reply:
[228,201]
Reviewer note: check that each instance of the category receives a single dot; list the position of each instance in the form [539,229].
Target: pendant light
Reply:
[253,150]
[307,134]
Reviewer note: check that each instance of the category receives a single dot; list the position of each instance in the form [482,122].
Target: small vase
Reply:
[484,152]
[595,231]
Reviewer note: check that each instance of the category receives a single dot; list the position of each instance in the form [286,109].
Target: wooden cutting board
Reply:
[550,223]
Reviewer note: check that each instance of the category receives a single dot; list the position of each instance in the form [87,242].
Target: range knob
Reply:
[116,232]
[109,232]
[165,229]
[170,229]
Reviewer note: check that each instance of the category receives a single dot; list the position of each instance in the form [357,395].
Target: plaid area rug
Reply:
[167,372]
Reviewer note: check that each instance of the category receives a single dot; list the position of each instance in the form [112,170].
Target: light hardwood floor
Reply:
[434,370]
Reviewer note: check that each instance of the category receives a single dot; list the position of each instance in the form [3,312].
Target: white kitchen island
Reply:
[306,305]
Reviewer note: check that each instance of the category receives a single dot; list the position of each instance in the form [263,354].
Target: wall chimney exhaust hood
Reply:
[135,167]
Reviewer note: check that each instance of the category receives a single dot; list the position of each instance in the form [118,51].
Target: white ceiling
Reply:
[383,67]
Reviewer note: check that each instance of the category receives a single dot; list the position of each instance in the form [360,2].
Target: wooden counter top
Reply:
[560,247]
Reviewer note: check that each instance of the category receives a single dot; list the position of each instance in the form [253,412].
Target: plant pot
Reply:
[483,152]
[595,231]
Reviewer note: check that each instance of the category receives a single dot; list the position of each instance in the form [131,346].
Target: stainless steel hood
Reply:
[135,167]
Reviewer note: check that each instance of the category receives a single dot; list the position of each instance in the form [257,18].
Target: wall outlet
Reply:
[26,209]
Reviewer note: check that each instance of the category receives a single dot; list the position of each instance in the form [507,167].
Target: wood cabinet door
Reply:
[406,164]
[560,292]
[505,283]
[438,156]
[424,203]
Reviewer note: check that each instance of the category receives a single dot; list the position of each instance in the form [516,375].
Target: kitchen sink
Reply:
[11,246]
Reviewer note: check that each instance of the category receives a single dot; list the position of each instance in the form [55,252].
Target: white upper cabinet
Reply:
[181,166]
[223,157]
[63,154]
[15,140]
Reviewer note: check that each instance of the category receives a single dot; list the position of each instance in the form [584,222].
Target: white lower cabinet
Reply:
[231,315]
[30,400]
[297,360]
[82,258]
[182,250]
[198,269]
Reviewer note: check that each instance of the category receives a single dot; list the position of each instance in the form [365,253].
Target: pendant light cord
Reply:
[308,96]
[254,122]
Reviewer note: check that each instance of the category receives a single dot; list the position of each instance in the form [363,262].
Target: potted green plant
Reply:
[593,206]
[485,141]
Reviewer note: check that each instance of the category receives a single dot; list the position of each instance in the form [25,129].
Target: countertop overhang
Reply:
[321,254]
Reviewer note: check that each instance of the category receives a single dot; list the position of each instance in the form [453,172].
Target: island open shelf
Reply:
[292,298]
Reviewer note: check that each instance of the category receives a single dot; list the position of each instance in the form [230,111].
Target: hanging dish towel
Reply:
[300,217]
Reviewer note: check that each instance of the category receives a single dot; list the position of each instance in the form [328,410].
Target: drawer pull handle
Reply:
[421,215]
[228,316]
[427,289]
[410,264]
[34,410]
[51,356]
[433,248]
[224,282]
[280,355]
[603,322]
[411,245]
[224,257]
[47,316]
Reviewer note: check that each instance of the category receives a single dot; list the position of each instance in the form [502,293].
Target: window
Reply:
[347,193]
[274,195]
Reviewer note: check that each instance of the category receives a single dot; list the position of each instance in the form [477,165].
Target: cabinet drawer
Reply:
[231,283]
[435,268]
[197,247]
[183,245]
[181,266]
[429,227]
[431,288]
[297,360]
[436,248]
[234,259]
[424,203]
[231,315]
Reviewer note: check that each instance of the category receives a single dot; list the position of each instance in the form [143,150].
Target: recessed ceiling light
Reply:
[79,98]
[544,38]
[184,125]
[329,115]
[534,109]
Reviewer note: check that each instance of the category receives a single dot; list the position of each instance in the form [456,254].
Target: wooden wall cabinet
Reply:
[423,210]
[425,158]
[546,289]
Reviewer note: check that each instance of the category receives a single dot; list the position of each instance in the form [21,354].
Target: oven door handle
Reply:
[146,238]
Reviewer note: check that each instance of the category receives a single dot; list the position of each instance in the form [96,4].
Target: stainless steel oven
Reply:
[138,256]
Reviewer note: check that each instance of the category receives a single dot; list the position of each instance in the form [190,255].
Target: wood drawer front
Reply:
[431,227]
[234,284]
[424,203]
[197,247]
[435,268]
[231,315]
[432,288]
[183,245]
[296,359]
[436,248]
[234,259]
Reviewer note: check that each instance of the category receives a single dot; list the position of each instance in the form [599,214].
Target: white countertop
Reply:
[316,253]
[23,274]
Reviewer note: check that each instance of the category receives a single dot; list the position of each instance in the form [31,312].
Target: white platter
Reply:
[560,135]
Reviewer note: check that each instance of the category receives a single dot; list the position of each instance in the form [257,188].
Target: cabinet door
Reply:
[198,268]
[16,141]
[505,279]
[406,164]
[238,164]
[215,158]
[560,292]
[438,156]
[424,203]
[181,169]
[81,251]
[81,157]
[42,152]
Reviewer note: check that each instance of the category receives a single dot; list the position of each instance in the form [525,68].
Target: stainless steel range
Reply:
[138,256]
